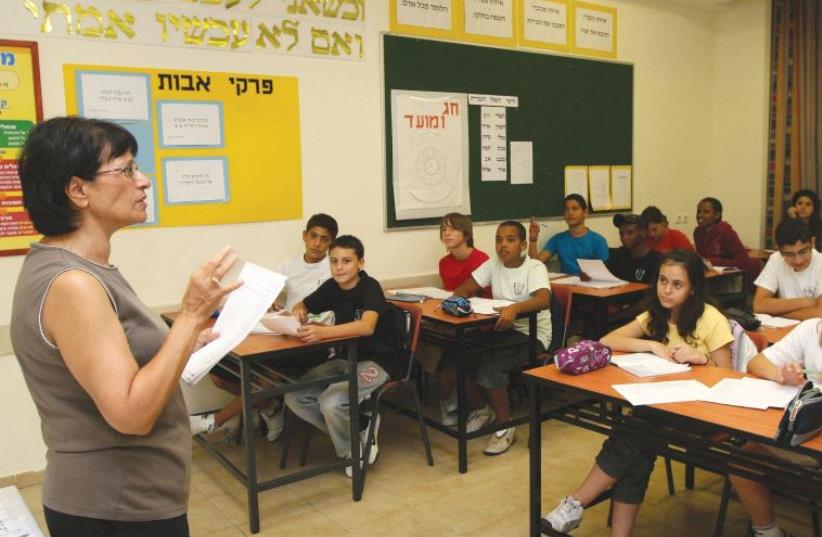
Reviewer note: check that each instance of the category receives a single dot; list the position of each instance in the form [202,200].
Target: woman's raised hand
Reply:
[204,291]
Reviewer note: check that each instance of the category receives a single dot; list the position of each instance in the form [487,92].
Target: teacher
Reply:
[102,369]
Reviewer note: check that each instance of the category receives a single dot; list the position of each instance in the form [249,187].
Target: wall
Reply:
[680,63]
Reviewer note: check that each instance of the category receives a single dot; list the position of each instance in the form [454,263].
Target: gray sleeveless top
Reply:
[92,470]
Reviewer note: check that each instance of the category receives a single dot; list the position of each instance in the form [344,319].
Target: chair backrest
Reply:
[744,347]
[409,321]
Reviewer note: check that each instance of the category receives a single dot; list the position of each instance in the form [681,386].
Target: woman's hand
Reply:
[204,292]
[659,349]
[684,354]
[533,230]
[205,337]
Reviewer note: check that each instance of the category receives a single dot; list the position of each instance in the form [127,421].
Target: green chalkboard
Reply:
[575,111]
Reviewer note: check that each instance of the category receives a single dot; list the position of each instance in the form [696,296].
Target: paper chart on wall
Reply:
[620,187]
[522,163]
[429,14]
[576,180]
[493,143]
[599,187]
[190,124]
[192,180]
[115,96]
[485,18]
[430,153]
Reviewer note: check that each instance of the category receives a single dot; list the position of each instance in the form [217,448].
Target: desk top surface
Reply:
[772,335]
[761,423]
[628,288]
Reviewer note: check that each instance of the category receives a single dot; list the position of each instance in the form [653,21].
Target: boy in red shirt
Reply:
[659,237]
[456,232]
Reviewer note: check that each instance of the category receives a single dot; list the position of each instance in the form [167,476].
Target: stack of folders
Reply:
[643,364]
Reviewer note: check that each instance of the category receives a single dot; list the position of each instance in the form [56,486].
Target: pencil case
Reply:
[584,356]
[802,418]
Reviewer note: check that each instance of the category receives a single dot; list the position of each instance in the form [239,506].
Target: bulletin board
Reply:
[20,109]
[220,148]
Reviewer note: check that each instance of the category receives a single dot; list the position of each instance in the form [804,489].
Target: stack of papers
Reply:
[716,268]
[486,306]
[273,324]
[651,393]
[775,322]
[643,364]
[601,277]
[15,518]
[751,393]
[428,292]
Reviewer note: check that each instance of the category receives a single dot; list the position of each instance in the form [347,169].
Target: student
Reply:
[305,273]
[634,261]
[457,233]
[659,237]
[515,277]
[578,242]
[782,362]
[360,310]
[790,285]
[680,325]
[805,207]
[715,239]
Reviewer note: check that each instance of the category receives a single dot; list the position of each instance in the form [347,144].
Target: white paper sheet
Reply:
[545,21]
[430,292]
[597,271]
[620,187]
[750,393]
[599,186]
[277,324]
[15,518]
[576,180]
[428,14]
[672,391]
[594,29]
[486,306]
[487,18]
[195,180]
[190,124]
[556,275]
[644,364]
[774,321]
[493,144]
[115,96]
[522,163]
[240,314]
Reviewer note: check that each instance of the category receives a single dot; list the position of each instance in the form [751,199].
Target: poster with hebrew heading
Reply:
[430,153]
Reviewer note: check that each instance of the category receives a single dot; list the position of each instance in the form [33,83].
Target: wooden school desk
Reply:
[256,360]
[679,439]
[773,335]
[600,298]
[449,331]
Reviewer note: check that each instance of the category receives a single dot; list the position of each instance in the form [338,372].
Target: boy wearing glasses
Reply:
[790,285]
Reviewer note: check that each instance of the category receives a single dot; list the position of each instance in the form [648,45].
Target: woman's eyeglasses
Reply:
[129,170]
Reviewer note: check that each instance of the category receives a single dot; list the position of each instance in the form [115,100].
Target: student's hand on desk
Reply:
[275,307]
[507,316]
[205,337]
[684,354]
[790,374]
[311,333]
[533,230]
[660,349]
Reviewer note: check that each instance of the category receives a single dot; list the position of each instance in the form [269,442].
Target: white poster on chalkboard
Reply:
[429,153]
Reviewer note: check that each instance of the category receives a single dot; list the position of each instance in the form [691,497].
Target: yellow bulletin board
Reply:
[20,109]
[220,148]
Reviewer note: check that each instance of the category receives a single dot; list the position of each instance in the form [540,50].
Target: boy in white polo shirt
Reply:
[790,285]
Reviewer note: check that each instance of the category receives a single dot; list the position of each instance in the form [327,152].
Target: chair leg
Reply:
[690,470]
[817,531]
[723,508]
[304,447]
[610,512]
[670,475]
[289,425]
[369,441]
[423,429]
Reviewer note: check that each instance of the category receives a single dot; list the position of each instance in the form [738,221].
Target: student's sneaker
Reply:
[500,441]
[375,447]
[566,516]
[448,412]
[202,424]
[274,418]
[477,419]
[232,432]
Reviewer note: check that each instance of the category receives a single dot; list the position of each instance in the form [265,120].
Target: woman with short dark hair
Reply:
[101,367]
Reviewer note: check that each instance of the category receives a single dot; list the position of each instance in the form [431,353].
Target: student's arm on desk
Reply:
[312,333]
[630,338]
[533,235]
[786,374]
[793,308]
[539,301]
[468,288]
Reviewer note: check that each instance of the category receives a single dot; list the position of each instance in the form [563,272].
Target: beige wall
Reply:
[690,67]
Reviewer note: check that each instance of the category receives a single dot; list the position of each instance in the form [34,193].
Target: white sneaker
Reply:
[274,417]
[448,413]
[375,447]
[500,441]
[202,424]
[566,516]
[477,419]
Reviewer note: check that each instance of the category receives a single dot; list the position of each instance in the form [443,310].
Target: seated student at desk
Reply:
[515,277]
[578,242]
[659,236]
[805,207]
[716,240]
[360,310]
[790,285]
[680,325]
[305,273]
[782,362]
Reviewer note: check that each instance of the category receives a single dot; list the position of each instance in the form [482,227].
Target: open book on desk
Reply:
[487,306]
[774,321]
[645,364]
[601,277]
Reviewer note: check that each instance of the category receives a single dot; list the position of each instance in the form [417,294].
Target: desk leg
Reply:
[250,455]
[535,465]
[532,337]
[462,404]
[354,418]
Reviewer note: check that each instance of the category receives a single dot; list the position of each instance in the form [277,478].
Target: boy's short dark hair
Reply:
[324,221]
[790,231]
[460,222]
[653,215]
[519,227]
[715,203]
[349,241]
[57,150]
[579,198]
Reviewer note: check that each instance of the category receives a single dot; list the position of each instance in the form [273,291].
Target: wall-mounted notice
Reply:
[509,101]
[430,153]
[522,163]
[427,14]
[620,187]
[490,17]
[493,143]
[195,180]
[576,180]
[599,187]
[544,24]
[594,29]
[190,124]
[115,96]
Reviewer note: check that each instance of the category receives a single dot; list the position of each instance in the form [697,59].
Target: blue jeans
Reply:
[326,408]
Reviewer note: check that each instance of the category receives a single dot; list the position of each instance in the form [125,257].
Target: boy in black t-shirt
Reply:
[634,261]
[360,310]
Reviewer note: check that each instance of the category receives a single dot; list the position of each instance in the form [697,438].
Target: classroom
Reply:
[700,127]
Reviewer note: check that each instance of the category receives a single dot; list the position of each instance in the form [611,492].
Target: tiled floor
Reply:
[405,497]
